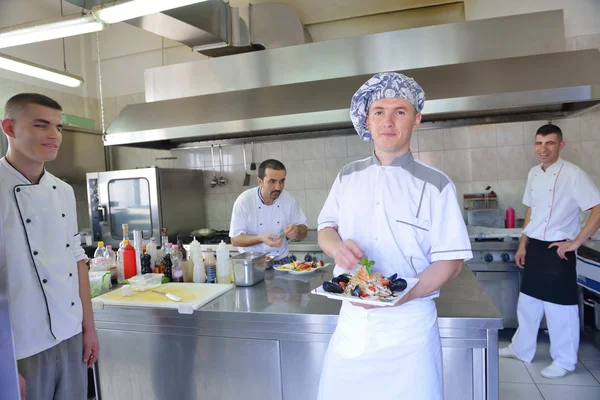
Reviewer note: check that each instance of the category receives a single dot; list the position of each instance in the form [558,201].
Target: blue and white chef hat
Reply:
[384,85]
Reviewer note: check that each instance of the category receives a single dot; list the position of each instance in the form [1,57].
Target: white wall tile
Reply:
[430,140]
[433,158]
[572,152]
[510,193]
[216,209]
[589,41]
[232,155]
[529,130]
[269,150]
[313,149]
[336,147]
[457,164]
[461,189]
[414,141]
[484,163]
[358,147]
[315,198]
[590,125]
[510,134]
[531,158]
[590,152]
[314,174]
[482,136]
[456,138]
[294,179]
[511,162]
[291,150]
[235,175]
[300,196]
[332,168]
[570,127]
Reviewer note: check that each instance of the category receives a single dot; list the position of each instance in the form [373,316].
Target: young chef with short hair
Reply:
[404,215]
[265,217]
[556,192]
[48,283]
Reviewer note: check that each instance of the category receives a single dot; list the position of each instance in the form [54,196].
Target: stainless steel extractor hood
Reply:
[501,69]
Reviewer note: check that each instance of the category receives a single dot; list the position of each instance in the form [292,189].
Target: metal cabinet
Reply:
[503,289]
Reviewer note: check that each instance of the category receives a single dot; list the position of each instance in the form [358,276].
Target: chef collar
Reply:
[19,175]
[399,161]
[262,200]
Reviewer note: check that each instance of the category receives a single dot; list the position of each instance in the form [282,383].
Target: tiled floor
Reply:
[522,381]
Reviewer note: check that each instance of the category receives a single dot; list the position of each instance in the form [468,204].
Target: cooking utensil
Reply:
[204,232]
[214,182]
[247,175]
[249,268]
[169,296]
[222,180]
[252,163]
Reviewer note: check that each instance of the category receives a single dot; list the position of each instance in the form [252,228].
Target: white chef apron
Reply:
[376,354]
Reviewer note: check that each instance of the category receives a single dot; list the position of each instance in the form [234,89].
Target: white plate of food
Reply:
[367,287]
[301,267]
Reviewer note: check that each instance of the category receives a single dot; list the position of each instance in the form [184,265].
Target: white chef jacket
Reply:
[251,216]
[556,197]
[404,216]
[43,248]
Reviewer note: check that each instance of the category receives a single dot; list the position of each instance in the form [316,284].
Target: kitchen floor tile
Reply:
[513,371]
[593,367]
[587,351]
[562,392]
[580,377]
[519,391]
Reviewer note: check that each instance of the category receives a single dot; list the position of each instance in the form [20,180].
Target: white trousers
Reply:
[563,326]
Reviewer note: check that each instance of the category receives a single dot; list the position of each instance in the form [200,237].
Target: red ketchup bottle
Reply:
[510,217]
[129,263]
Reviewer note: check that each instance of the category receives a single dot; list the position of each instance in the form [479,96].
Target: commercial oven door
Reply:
[503,289]
[128,197]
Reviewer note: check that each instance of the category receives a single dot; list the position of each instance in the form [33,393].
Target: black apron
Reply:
[548,277]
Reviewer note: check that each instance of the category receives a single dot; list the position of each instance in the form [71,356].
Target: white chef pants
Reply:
[563,326]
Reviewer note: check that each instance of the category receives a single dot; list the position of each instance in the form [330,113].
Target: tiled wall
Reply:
[496,155]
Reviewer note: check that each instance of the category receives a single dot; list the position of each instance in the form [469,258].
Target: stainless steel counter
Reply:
[268,341]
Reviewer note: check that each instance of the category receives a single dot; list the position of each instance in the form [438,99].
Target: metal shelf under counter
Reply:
[255,340]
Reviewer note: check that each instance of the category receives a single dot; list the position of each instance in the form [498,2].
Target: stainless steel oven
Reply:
[148,199]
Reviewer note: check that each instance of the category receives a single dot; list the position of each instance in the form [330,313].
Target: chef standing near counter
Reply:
[265,217]
[48,284]
[404,215]
[556,192]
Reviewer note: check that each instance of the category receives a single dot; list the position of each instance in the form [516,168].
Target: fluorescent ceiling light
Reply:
[39,71]
[136,8]
[28,33]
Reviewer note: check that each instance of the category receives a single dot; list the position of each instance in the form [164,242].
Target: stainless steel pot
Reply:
[249,268]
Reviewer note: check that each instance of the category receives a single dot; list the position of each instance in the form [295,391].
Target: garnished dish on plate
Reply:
[301,267]
[366,286]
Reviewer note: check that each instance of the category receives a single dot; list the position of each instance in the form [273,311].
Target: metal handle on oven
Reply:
[101,213]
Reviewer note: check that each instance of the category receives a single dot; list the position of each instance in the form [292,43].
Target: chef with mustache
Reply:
[264,218]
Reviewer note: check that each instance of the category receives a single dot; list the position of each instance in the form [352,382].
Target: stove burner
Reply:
[216,238]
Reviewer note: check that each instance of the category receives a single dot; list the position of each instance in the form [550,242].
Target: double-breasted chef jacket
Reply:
[251,216]
[43,248]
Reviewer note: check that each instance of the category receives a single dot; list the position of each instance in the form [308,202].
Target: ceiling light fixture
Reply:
[39,32]
[136,8]
[39,71]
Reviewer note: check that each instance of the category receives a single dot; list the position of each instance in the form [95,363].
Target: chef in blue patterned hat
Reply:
[409,222]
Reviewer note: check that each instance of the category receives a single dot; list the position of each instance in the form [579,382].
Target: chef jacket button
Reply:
[28,220]
[377,203]
[54,187]
[35,253]
[72,304]
[376,239]
[277,221]
[45,281]
[18,189]
[70,274]
[550,189]
[63,215]
[68,245]
[261,224]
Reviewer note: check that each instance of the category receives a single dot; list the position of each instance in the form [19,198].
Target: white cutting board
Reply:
[193,296]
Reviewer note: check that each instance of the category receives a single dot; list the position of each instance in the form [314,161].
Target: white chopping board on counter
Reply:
[193,296]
